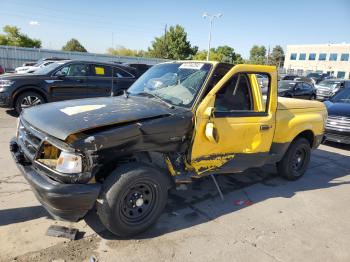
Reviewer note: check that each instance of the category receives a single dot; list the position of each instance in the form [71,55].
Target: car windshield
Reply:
[47,69]
[175,83]
[285,85]
[329,84]
[342,97]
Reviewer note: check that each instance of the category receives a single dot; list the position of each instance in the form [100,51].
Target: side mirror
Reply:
[208,113]
[211,133]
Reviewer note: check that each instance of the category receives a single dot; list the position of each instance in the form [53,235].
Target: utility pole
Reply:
[211,19]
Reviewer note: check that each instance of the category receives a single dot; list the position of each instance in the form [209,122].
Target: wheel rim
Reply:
[29,101]
[298,160]
[138,202]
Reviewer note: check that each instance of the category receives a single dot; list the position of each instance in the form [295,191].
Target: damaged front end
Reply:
[59,175]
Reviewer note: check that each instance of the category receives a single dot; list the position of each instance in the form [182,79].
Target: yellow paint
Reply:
[235,134]
[170,166]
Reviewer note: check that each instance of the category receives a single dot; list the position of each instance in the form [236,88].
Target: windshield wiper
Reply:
[158,98]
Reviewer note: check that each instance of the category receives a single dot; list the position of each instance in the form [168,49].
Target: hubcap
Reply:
[29,101]
[138,203]
[298,159]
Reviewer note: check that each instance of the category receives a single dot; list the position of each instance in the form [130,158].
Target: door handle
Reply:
[265,127]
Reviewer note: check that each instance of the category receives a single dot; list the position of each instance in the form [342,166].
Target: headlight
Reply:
[5,83]
[69,163]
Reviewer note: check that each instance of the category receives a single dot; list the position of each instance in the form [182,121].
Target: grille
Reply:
[29,140]
[338,123]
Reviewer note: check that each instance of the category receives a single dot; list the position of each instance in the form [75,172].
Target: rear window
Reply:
[120,73]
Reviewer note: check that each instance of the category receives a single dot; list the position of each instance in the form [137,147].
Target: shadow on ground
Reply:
[22,214]
[201,203]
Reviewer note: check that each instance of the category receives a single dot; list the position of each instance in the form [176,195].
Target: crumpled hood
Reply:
[62,119]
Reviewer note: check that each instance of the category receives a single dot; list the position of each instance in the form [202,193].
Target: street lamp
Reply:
[211,19]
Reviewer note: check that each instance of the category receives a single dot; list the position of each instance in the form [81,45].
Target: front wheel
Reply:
[28,99]
[295,161]
[132,199]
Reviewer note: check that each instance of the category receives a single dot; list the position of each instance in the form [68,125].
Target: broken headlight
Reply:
[69,163]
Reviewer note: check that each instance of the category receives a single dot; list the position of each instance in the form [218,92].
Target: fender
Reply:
[24,88]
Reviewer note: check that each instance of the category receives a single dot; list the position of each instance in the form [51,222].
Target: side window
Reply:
[101,70]
[245,92]
[120,73]
[306,86]
[74,70]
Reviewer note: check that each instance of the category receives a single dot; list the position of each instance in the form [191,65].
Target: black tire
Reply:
[30,98]
[295,161]
[119,207]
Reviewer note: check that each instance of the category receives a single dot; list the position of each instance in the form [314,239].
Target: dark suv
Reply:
[64,80]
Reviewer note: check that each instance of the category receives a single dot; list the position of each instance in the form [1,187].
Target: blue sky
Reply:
[134,24]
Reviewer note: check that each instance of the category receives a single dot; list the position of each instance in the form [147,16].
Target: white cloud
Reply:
[34,23]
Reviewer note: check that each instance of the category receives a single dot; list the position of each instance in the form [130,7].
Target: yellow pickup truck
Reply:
[179,121]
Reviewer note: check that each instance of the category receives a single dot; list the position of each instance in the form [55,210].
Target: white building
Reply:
[327,58]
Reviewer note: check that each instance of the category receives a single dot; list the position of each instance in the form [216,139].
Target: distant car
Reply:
[296,89]
[328,88]
[64,80]
[29,67]
[338,122]
[318,77]
[141,68]
[298,78]
[2,70]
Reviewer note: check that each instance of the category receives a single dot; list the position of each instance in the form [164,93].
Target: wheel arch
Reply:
[29,88]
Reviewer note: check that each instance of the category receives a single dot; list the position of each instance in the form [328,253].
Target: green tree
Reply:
[221,54]
[277,56]
[123,51]
[74,45]
[258,55]
[13,37]
[172,45]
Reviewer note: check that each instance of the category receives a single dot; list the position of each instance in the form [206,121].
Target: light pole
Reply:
[211,19]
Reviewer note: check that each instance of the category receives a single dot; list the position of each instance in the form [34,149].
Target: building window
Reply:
[312,56]
[322,57]
[302,56]
[333,57]
[344,57]
[340,74]
[293,56]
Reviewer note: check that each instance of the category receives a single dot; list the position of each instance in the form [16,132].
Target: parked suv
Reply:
[64,80]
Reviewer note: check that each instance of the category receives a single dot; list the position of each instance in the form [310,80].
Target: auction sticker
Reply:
[73,110]
[191,66]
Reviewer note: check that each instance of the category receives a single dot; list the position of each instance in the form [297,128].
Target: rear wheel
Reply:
[295,161]
[132,199]
[28,99]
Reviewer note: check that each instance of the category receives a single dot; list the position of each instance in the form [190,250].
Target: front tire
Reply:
[132,199]
[28,99]
[296,160]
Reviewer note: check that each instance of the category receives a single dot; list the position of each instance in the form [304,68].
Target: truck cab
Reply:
[179,121]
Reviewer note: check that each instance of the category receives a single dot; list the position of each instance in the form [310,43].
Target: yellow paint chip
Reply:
[73,110]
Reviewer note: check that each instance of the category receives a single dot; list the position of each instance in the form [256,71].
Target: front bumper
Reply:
[338,137]
[5,100]
[68,202]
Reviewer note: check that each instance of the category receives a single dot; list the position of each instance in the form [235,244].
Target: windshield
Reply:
[175,83]
[47,69]
[329,84]
[284,85]
[342,97]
